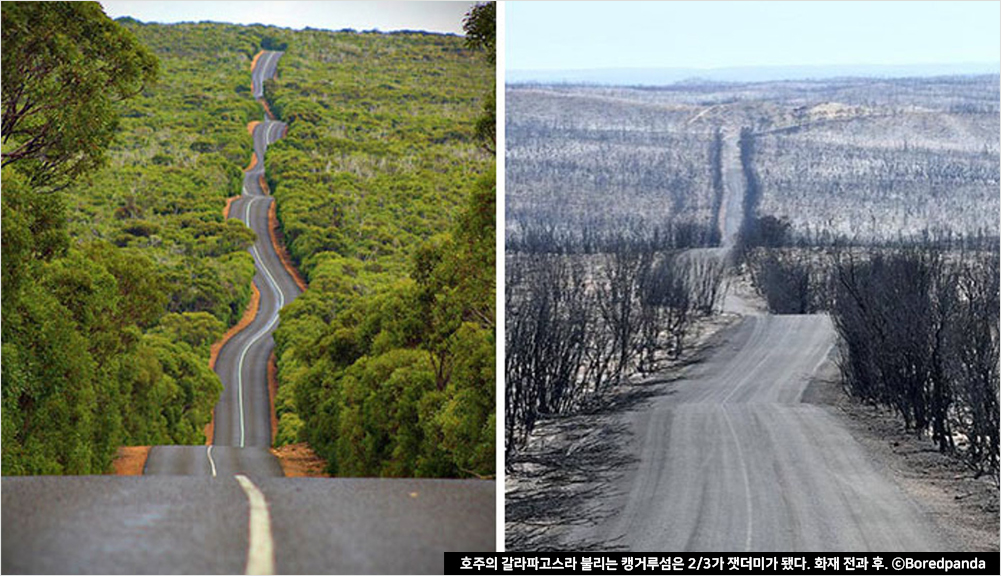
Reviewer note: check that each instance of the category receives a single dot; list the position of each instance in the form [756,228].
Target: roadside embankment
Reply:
[130,460]
[248,317]
[267,109]
[298,461]
[279,244]
[964,506]
[229,204]
[253,163]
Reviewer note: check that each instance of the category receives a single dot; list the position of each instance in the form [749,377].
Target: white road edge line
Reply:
[211,461]
[260,333]
[271,280]
[260,547]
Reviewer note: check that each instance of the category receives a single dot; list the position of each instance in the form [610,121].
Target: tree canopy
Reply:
[65,65]
[480,26]
[117,278]
[384,195]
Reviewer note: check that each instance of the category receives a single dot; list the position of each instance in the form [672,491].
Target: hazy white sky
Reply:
[704,34]
[383,16]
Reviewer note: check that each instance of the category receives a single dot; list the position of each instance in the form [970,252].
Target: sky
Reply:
[383,16]
[703,34]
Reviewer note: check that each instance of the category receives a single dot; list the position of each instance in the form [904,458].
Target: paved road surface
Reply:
[245,420]
[243,415]
[731,460]
[731,214]
[214,460]
[264,70]
[198,525]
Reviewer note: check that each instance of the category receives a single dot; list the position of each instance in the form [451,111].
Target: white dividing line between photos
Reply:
[499,282]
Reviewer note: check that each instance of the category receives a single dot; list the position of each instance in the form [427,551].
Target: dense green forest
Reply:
[386,200]
[178,155]
[118,268]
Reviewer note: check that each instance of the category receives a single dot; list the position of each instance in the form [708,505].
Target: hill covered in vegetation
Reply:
[117,277]
[386,201]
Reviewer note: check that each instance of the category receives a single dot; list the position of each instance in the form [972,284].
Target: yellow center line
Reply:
[260,548]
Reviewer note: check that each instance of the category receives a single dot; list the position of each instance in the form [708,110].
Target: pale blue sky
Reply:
[383,16]
[704,34]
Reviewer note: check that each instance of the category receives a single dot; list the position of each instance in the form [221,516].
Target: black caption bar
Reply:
[721,563]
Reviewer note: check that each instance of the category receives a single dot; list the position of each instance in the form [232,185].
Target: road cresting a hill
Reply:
[253,63]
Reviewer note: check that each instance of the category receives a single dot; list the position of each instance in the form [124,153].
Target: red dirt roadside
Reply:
[253,63]
[130,460]
[299,461]
[279,245]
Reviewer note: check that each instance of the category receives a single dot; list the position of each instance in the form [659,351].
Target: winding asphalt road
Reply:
[225,508]
[245,419]
[243,414]
[732,460]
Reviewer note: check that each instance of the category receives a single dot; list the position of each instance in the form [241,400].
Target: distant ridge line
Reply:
[737,74]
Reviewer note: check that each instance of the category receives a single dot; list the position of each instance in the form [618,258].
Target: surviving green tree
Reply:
[65,65]
[387,203]
[116,279]
[480,26]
